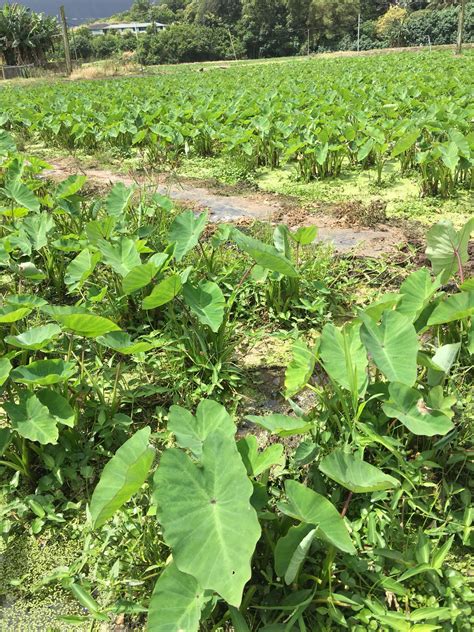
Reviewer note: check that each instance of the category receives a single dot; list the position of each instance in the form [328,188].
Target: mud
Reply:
[333,228]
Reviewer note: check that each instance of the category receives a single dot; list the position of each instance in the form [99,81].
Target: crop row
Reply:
[324,118]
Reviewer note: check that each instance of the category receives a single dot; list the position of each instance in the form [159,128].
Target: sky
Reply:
[78,11]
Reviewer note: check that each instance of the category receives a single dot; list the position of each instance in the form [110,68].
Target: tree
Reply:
[25,37]
[330,21]
[227,11]
[264,29]
[141,10]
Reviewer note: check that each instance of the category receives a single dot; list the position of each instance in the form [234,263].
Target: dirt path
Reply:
[235,208]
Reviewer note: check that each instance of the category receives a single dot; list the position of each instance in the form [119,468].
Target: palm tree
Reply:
[25,36]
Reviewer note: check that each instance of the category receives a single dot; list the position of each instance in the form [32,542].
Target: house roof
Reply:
[122,25]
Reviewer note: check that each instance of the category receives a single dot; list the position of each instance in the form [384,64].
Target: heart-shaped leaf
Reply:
[300,369]
[281,425]
[447,247]
[207,302]
[121,342]
[122,256]
[118,200]
[32,420]
[455,307]
[344,357]
[416,291]
[257,462]
[163,292]
[185,232]
[122,477]
[176,602]
[5,368]
[80,269]
[191,431]
[58,406]
[35,338]
[309,507]
[263,254]
[44,372]
[354,474]
[407,405]
[139,277]
[206,515]
[291,551]
[88,325]
[12,313]
[393,345]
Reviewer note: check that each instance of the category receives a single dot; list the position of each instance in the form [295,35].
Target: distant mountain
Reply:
[79,11]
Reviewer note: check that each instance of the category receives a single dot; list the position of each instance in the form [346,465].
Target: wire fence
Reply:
[28,71]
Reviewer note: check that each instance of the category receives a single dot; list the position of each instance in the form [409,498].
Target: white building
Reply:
[102,28]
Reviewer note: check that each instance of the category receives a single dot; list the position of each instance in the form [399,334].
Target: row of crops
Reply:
[322,117]
[119,322]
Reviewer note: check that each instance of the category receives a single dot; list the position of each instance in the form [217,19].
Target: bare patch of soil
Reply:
[344,225]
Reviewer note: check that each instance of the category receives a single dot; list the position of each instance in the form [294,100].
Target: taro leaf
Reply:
[44,372]
[291,550]
[138,277]
[32,420]
[5,368]
[257,462]
[281,425]
[122,477]
[37,228]
[300,369]
[5,439]
[444,358]
[382,304]
[207,302]
[21,195]
[264,255]
[176,602]
[393,346]
[163,292]
[309,507]
[7,144]
[407,405]
[58,406]
[206,515]
[100,229]
[447,247]
[305,235]
[122,256]
[405,143]
[80,269]
[455,307]
[12,313]
[70,186]
[88,325]
[185,232]
[118,200]
[355,474]
[191,431]
[31,301]
[344,357]
[416,291]
[35,338]
[437,401]
[281,241]
[121,342]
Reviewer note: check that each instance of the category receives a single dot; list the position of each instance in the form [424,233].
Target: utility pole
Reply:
[67,50]
[308,43]
[358,33]
[462,13]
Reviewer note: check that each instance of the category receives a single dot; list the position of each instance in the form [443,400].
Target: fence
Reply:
[30,70]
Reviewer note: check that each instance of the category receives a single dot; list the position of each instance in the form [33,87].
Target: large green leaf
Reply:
[206,515]
[266,256]
[122,256]
[118,200]
[122,477]
[407,405]
[163,292]
[88,325]
[58,406]
[80,269]
[455,307]
[44,372]
[309,507]
[442,361]
[257,462]
[139,277]
[32,420]
[21,195]
[35,338]
[354,474]
[291,550]
[281,425]
[447,247]
[185,232]
[300,369]
[121,342]
[5,368]
[393,346]
[176,602]
[191,431]
[405,143]
[207,302]
[37,228]
[70,186]
[416,291]
[12,313]
[305,235]
[344,357]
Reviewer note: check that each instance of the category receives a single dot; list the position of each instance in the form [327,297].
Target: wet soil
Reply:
[227,206]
